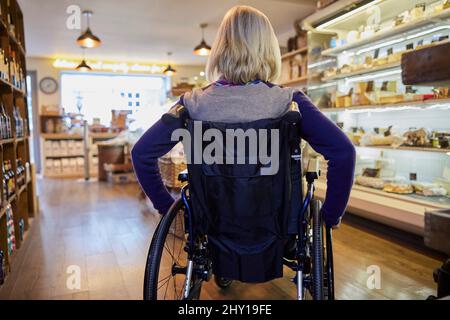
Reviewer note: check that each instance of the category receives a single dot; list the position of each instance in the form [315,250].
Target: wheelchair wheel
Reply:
[222,283]
[165,271]
[317,252]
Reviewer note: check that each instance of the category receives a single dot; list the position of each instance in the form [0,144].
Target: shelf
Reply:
[66,156]
[409,148]
[11,87]
[301,80]
[3,207]
[382,36]
[64,175]
[364,71]
[6,141]
[22,189]
[61,136]
[20,139]
[292,54]
[402,105]
[18,90]
[103,135]
[16,43]
[52,114]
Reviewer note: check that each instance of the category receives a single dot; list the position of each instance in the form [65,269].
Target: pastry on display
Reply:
[371,139]
[429,189]
[355,134]
[416,138]
[371,182]
[400,188]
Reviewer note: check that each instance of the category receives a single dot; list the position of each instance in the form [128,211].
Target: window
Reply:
[95,95]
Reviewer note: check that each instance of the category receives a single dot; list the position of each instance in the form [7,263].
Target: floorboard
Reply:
[105,231]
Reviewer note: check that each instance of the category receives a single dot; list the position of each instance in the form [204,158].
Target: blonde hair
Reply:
[245,48]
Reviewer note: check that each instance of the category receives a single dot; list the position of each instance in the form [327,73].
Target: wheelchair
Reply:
[178,262]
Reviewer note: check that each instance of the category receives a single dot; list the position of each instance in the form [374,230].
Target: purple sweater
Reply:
[321,133]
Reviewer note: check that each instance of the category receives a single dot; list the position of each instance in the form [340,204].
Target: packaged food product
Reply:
[395,57]
[343,101]
[370,139]
[416,137]
[429,189]
[370,182]
[400,188]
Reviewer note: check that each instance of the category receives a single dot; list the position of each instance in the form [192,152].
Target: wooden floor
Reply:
[104,230]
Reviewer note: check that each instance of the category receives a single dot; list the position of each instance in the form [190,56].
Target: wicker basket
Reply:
[169,171]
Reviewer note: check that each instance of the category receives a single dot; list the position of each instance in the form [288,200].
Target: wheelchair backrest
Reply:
[239,175]
[240,186]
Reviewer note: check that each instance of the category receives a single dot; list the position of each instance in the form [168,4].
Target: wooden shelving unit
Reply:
[292,54]
[294,68]
[23,201]
[62,155]
[79,155]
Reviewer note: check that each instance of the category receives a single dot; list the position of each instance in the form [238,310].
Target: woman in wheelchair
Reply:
[236,219]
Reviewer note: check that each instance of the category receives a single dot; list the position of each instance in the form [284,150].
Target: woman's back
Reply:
[222,102]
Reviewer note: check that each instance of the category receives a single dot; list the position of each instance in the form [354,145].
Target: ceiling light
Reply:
[83,67]
[87,39]
[203,49]
[169,71]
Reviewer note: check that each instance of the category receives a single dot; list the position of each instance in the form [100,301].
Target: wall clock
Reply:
[48,85]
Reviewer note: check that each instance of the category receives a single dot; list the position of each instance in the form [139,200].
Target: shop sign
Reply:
[110,66]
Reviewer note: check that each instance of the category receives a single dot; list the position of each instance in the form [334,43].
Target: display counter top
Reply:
[405,212]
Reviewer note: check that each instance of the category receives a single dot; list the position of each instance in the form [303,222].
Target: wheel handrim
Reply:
[170,284]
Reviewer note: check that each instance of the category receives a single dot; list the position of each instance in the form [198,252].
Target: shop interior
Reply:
[81,81]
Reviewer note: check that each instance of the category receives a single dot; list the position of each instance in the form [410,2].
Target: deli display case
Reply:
[401,132]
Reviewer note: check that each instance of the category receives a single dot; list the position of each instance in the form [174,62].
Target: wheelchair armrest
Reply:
[183,176]
[313,170]
[293,114]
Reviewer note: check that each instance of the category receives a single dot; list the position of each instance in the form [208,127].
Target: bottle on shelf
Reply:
[20,173]
[12,26]
[2,267]
[7,132]
[8,180]
[13,181]
[18,121]
[4,65]
[12,68]
[5,183]
[11,239]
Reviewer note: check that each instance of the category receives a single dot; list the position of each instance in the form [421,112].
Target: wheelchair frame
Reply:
[302,280]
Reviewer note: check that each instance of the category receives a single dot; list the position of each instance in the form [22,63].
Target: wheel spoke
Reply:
[165,278]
